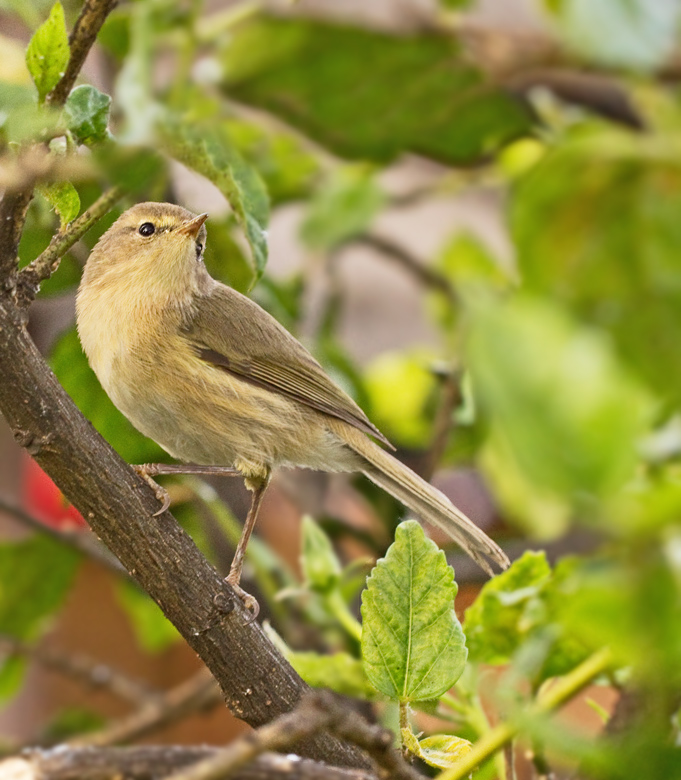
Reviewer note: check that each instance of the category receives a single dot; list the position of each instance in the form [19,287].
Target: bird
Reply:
[221,385]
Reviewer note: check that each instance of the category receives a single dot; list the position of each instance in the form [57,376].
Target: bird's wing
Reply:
[233,333]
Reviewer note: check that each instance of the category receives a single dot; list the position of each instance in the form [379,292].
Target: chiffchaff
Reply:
[218,382]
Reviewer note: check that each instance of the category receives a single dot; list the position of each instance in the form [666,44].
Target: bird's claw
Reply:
[250,602]
[161,493]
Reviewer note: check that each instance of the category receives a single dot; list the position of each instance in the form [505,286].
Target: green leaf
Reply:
[71,367]
[318,559]
[442,750]
[596,226]
[368,95]
[413,647]
[340,672]
[640,34]
[493,622]
[64,199]
[35,578]
[343,209]
[48,52]
[87,115]
[154,632]
[400,387]
[558,401]
[225,259]
[207,151]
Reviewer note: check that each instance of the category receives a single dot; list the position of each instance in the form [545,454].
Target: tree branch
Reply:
[422,273]
[197,694]
[31,277]
[319,711]
[156,762]
[259,684]
[85,543]
[83,35]
[83,669]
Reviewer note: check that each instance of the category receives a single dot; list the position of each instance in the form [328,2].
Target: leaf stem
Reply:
[339,609]
[561,691]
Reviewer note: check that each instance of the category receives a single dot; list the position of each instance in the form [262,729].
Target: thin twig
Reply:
[47,262]
[197,694]
[450,398]
[422,273]
[563,690]
[83,669]
[317,712]
[84,542]
[83,35]
[152,762]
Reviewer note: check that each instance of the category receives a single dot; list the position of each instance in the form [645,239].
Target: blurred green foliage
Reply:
[565,350]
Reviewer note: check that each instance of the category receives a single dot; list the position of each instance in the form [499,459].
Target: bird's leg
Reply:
[258,486]
[149,470]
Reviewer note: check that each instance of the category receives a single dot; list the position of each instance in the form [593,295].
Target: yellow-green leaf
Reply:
[48,52]
[443,750]
[63,198]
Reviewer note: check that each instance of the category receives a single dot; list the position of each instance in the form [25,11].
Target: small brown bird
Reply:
[220,384]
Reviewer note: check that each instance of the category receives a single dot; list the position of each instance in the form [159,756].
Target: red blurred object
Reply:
[43,499]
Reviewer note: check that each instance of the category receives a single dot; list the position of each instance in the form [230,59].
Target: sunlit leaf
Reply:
[48,52]
[442,750]
[413,647]
[64,199]
[492,622]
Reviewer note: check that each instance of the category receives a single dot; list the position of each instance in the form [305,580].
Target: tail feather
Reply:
[422,498]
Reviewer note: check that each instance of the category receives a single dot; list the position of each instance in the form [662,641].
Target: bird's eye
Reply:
[199,249]
[147,229]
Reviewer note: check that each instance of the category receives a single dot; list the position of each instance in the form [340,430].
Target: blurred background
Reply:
[472,221]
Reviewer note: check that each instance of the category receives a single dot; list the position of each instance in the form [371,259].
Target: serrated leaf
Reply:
[318,560]
[209,152]
[342,209]
[87,114]
[64,199]
[492,622]
[152,628]
[413,647]
[48,52]
[442,750]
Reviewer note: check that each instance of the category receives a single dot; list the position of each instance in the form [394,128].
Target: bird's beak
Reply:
[192,226]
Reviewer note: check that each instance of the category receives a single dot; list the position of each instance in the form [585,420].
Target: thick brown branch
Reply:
[257,682]
[47,262]
[83,35]
[154,763]
[319,711]
[83,669]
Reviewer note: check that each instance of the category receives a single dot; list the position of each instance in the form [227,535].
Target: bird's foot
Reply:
[250,602]
[161,493]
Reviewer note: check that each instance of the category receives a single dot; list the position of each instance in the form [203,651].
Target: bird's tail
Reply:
[422,498]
